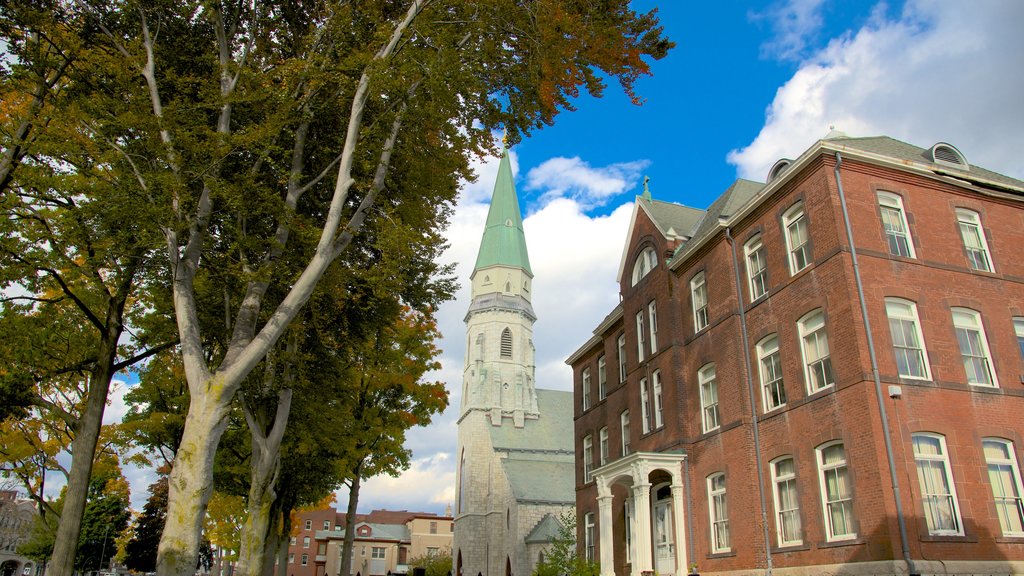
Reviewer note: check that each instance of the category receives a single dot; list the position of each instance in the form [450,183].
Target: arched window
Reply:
[506,343]
[645,262]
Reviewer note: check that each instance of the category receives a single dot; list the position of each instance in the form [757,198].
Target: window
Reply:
[640,335]
[292,541]
[757,268]
[305,559]
[624,428]
[817,363]
[938,495]
[378,552]
[1018,327]
[588,535]
[787,505]
[659,408]
[506,343]
[327,524]
[321,548]
[647,260]
[603,440]
[699,299]
[305,542]
[588,457]
[627,513]
[894,225]
[585,388]
[309,524]
[837,501]
[708,397]
[795,223]
[291,558]
[975,243]
[1004,476]
[645,407]
[770,367]
[719,512]
[652,313]
[433,551]
[622,358]
[907,340]
[970,336]
[602,378]
[433,527]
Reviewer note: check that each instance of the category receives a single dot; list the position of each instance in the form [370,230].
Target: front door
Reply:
[664,542]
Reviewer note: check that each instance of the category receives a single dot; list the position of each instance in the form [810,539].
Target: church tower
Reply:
[515,470]
[498,375]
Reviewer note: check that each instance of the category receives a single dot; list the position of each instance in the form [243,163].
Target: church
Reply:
[516,473]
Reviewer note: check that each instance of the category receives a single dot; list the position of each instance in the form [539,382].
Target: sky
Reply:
[747,84]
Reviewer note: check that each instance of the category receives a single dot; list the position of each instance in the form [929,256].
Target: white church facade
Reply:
[516,473]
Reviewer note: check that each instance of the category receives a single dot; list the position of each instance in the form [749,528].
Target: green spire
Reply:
[504,242]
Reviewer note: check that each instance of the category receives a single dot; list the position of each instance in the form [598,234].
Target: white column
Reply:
[606,539]
[679,520]
[642,529]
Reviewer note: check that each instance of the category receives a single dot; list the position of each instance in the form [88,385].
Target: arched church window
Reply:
[647,260]
[506,343]
[463,481]
[508,286]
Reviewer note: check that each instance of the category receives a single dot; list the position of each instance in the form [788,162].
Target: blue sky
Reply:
[747,84]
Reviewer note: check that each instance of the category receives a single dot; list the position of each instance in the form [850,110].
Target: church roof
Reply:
[542,481]
[551,432]
[504,242]
[545,531]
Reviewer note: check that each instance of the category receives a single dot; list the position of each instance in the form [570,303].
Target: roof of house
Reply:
[673,219]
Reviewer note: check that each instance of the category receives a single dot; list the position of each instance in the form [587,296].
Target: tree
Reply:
[562,559]
[434,565]
[226,120]
[140,552]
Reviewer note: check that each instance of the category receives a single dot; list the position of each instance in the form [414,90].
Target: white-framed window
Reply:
[787,504]
[327,524]
[970,336]
[305,559]
[757,267]
[836,491]
[708,398]
[975,243]
[640,336]
[894,225]
[794,221]
[938,493]
[588,535]
[659,407]
[907,339]
[773,392]
[624,430]
[699,301]
[719,513]
[1004,477]
[814,346]
[305,542]
[433,551]
[622,358]
[588,457]
[644,263]
[602,378]
[645,407]
[585,387]
[1018,329]
[291,558]
[378,552]
[603,441]
[308,525]
[506,343]
[292,540]
[652,325]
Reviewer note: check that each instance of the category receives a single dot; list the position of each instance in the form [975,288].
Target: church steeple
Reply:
[504,242]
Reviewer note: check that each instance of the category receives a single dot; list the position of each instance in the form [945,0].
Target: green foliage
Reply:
[562,559]
[434,565]
[140,551]
[39,545]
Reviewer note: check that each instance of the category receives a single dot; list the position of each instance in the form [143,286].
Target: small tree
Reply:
[562,559]
[434,565]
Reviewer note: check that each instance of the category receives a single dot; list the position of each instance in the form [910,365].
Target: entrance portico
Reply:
[653,512]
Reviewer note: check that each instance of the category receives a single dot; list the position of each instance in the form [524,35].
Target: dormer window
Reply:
[778,168]
[948,155]
[647,260]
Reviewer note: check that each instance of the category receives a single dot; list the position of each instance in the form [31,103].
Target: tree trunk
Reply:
[350,524]
[272,548]
[191,481]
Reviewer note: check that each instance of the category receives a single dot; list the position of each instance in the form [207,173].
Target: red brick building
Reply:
[823,373]
[385,541]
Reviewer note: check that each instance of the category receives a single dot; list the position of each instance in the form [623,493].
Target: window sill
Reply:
[801,547]
[840,543]
[1010,539]
[965,538]
[725,554]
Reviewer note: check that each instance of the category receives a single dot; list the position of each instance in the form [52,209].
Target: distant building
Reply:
[385,542]
[17,515]
[515,472]
[820,374]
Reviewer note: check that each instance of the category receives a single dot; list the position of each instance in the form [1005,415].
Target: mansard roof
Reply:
[504,242]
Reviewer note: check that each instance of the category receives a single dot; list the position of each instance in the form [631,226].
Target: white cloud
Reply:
[941,71]
[576,179]
[794,22]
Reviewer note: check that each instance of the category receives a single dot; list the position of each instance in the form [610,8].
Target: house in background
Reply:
[17,516]
[823,373]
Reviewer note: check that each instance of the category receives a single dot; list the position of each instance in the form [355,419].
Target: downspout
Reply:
[882,414]
[753,403]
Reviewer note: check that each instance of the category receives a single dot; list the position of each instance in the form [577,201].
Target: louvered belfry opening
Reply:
[506,343]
